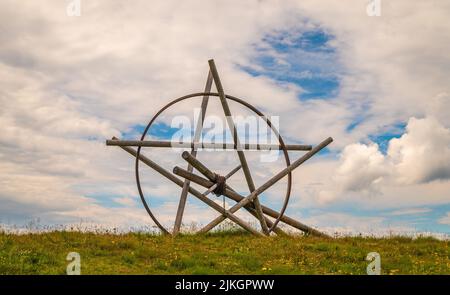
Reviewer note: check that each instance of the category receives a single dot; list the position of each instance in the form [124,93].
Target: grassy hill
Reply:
[219,253]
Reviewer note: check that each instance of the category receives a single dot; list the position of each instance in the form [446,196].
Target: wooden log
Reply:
[228,193]
[198,131]
[212,188]
[199,166]
[270,182]
[203,145]
[250,209]
[231,194]
[241,155]
[192,190]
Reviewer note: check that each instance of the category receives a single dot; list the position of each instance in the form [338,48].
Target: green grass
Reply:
[219,253]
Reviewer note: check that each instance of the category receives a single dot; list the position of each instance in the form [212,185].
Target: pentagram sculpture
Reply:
[214,182]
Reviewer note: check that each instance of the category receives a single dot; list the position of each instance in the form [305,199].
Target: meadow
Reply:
[232,252]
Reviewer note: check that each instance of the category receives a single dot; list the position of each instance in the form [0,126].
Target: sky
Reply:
[378,84]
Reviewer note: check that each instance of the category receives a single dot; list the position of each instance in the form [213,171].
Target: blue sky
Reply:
[312,62]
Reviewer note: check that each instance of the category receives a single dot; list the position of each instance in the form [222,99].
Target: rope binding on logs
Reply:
[221,184]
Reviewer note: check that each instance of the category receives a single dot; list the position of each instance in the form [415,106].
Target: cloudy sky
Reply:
[379,85]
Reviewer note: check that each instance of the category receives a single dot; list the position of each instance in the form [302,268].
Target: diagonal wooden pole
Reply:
[228,193]
[269,183]
[241,154]
[193,191]
[250,209]
[198,131]
[232,194]
[214,186]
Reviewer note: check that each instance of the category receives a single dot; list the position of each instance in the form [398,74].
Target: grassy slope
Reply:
[221,253]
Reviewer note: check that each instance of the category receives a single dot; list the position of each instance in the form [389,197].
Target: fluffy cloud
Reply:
[420,155]
[361,167]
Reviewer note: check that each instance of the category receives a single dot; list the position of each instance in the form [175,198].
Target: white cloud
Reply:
[361,167]
[438,108]
[422,154]
[412,211]
[128,202]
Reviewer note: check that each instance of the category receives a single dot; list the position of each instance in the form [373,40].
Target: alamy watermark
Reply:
[374,267]
[252,133]
[373,8]
[74,267]
[73,8]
